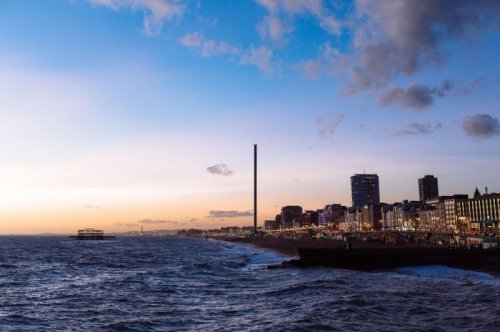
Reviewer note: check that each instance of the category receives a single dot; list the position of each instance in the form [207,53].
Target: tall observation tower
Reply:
[255,189]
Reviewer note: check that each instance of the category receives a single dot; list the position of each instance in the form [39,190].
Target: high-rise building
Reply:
[289,215]
[365,190]
[428,188]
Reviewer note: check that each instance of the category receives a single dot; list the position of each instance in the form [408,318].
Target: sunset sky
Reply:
[121,113]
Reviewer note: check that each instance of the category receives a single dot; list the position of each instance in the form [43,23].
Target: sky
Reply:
[117,114]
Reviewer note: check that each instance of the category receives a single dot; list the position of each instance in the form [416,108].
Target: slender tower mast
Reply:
[255,189]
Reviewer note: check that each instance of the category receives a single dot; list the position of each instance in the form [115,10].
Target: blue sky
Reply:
[112,110]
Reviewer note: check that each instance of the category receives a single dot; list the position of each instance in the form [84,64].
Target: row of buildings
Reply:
[480,213]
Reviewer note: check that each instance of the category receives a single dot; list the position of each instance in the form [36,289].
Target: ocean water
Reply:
[165,284]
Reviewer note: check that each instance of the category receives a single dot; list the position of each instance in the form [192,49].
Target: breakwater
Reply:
[386,258]
[375,255]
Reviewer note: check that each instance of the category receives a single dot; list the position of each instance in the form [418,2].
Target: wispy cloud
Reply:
[281,14]
[208,47]
[328,124]
[220,169]
[314,68]
[259,56]
[126,224]
[229,214]
[416,128]
[311,69]
[187,221]
[192,40]
[156,12]
[154,221]
[273,28]
[481,126]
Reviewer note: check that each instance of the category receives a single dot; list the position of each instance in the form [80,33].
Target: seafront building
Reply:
[271,225]
[480,213]
[444,214]
[432,213]
[291,216]
[330,214]
[310,218]
[428,188]
[401,215]
[365,190]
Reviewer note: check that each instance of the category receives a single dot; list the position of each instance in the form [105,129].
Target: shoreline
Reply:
[325,247]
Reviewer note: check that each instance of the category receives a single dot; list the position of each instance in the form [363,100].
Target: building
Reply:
[289,215]
[452,223]
[403,216]
[271,225]
[370,217]
[322,215]
[330,214]
[480,213]
[394,216]
[431,218]
[352,220]
[309,218]
[365,190]
[428,188]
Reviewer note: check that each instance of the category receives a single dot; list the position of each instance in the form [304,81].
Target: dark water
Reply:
[148,284]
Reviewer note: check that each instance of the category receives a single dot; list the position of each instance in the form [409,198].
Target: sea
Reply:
[176,284]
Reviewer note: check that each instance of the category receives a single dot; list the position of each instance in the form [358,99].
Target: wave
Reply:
[445,272]
[255,257]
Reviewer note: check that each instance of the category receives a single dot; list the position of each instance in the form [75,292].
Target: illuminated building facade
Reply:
[365,190]
[481,213]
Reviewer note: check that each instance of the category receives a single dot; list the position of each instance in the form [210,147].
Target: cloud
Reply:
[191,40]
[154,222]
[481,126]
[126,224]
[416,128]
[220,169]
[259,56]
[416,96]
[229,214]
[398,37]
[292,6]
[329,124]
[390,37]
[281,14]
[468,88]
[313,68]
[330,24]
[156,12]
[273,28]
[208,47]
